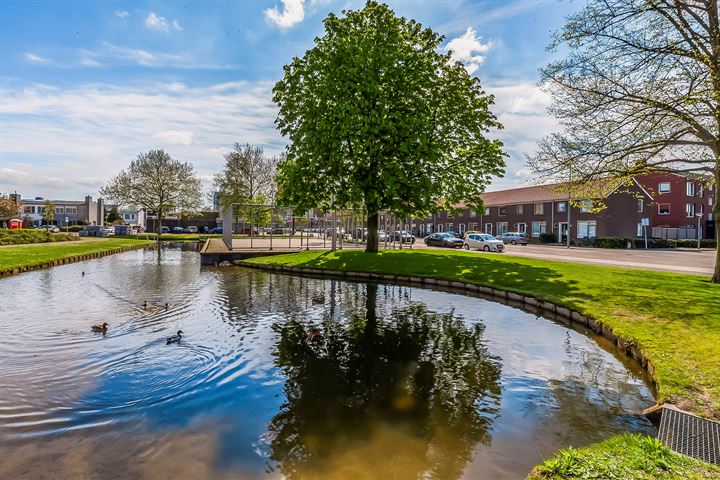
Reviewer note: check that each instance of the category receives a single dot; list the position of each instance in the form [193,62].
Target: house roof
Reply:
[534,194]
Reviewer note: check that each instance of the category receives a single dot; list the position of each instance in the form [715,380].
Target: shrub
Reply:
[689,243]
[18,237]
[547,238]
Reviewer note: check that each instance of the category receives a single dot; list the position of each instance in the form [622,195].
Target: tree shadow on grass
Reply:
[542,282]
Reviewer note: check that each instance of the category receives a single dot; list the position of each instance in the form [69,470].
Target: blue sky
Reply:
[86,86]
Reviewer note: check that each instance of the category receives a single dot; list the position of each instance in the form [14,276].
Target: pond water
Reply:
[289,377]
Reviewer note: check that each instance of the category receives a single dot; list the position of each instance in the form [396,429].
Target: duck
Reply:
[175,338]
[83,274]
[100,328]
[145,304]
[167,306]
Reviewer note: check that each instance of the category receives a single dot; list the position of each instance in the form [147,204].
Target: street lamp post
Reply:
[699,235]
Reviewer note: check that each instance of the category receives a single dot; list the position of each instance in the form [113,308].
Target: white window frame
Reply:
[690,189]
[472,226]
[541,228]
[640,205]
[521,227]
[461,228]
[660,208]
[59,210]
[690,210]
[487,210]
[587,229]
[586,206]
[639,230]
[561,207]
[519,209]
[71,210]
[472,213]
[488,228]
[538,209]
[663,190]
[502,227]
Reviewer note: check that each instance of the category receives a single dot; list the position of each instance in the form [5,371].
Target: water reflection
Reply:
[417,391]
[281,376]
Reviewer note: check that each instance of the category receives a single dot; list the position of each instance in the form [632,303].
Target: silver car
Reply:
[482,241]
[513,238]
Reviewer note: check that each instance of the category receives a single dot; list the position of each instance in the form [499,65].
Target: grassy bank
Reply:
[624,456]
[25,236]
[673,318]
[39,254]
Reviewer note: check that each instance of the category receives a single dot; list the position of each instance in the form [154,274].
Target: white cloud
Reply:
[122,13]
[293,12]
[176,25]
[157,23]
[31,57]
[174,137]
[465,49]
[91,131]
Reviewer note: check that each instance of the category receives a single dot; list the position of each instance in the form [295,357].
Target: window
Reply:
[639,229]
[488,228]
[562,207]
[487,210]
[664,209]
[450,227]
[690,189]
[502,227]
[29,209]
[472,227]
[710,200]
[586,228]
[586,206]
[519,209]
[701,209]
[473,213]
[461,228]
[690,210]
[538,228]
[664,187]
[539,208]
[71,210]
[521,227]
[640,205]
[440,227]
[59,210]
[502,211]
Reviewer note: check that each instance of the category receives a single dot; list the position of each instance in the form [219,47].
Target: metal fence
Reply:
[265,226]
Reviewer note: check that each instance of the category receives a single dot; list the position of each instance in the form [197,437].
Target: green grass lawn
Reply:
[38,254]
[627,456]
[673,318]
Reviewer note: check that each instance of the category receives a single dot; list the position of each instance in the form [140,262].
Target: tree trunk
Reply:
[372,235]
[159,225]
[716,210]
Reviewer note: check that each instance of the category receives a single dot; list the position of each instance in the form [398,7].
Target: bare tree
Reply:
[48,212]
[638,91]
[159,184]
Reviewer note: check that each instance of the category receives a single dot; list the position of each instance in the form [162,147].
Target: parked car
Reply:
[456,235]
[164,229]
[513,238]
[216,230]
[190,229]
[49,228]
[108,231]
[443,240]
[402,236]
[178,230]
[483,241]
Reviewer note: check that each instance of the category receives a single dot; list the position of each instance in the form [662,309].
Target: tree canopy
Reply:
[378,118]
[48,212]
[157,183]
[638,91]
[8,208]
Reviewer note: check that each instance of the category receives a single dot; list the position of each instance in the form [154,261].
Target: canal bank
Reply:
[23,258]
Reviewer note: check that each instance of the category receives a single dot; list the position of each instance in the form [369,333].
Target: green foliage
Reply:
[679,338]
[8,208]
[113,215]
[23,236]
[622,457]
[547,238]
[378,118]
[48,213]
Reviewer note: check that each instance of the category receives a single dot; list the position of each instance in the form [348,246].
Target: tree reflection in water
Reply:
[400,397]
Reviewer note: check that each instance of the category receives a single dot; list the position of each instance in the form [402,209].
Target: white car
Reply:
[108,231]
[482,241]
[50,228]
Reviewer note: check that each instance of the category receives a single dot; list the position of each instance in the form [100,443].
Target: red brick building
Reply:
[543,209]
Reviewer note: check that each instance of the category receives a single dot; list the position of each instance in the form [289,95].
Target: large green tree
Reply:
[379,118]
[637,91]
[159,184]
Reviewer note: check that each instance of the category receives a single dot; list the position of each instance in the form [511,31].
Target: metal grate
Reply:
[690,435]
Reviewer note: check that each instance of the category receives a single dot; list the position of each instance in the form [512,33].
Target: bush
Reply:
[18,237]
[547,238]
[688,243]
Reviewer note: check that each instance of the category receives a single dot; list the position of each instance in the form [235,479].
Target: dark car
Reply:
[402,236]
[443,240]
[177,230]
[456,235]
[216,230]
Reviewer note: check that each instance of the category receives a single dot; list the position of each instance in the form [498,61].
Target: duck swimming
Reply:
[145,304]
[100,328]
[167,305]
[174,338]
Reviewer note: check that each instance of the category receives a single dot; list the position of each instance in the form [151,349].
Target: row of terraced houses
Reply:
[674,206]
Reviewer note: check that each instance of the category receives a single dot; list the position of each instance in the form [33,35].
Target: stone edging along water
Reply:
[72,259]
[533,303]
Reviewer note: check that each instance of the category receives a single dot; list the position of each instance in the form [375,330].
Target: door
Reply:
[563,231]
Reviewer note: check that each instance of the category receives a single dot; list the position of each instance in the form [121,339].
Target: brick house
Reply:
[543,209]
